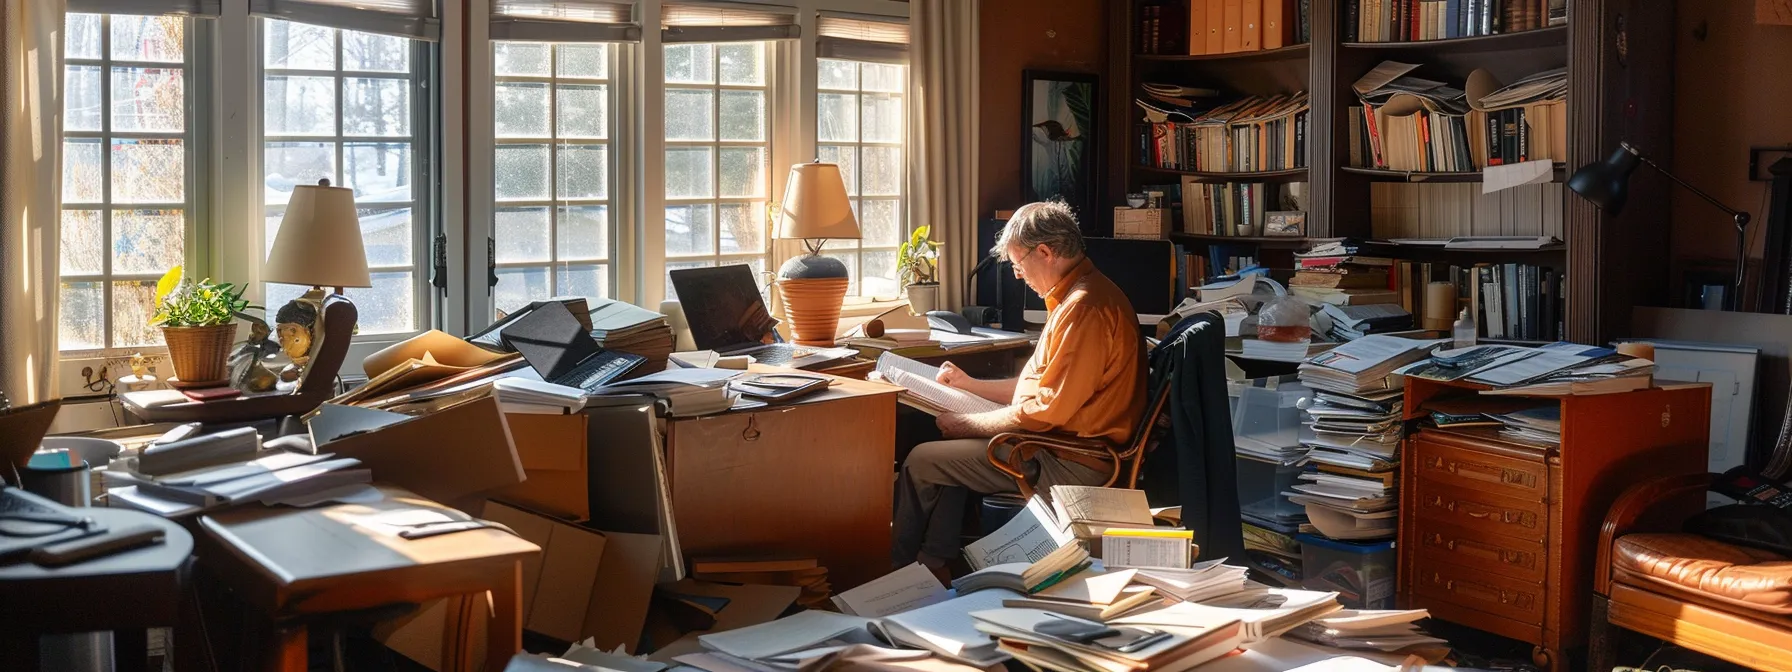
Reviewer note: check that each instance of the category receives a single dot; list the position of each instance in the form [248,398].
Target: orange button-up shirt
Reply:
[1086,377]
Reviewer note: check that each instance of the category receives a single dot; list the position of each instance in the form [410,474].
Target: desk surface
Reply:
[85,596]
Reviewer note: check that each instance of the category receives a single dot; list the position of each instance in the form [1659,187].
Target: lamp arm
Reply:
[1734,298]
[1742,217]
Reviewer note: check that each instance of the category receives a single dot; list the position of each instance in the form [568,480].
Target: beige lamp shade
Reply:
[816,205]
[319,242]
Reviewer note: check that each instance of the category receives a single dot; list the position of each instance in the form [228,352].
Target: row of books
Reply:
[1416,20]
[1257,133]
[1508,301]
[1199,27]
[1228,208]
[1435,142]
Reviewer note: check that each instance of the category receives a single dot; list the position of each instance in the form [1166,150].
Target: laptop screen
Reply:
[723,306]
[551,340]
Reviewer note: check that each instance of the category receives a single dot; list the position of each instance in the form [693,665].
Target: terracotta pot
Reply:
[199,353]
[813,306]
[923,298]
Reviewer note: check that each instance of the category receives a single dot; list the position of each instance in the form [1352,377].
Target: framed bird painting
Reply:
[1059,151]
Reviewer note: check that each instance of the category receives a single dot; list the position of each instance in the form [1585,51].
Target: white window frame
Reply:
[856,189]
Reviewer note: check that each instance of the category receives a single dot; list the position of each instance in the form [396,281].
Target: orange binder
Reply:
[1216,26]
[1279,18]
[1197,27]
[1232,27]
[1251,25]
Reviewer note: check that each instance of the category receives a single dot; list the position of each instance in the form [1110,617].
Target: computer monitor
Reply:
[1144,269]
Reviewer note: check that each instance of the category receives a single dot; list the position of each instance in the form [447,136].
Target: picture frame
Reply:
[1289,223]
[1061,139]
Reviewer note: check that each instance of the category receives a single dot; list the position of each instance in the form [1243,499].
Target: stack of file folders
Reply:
[273,478]
[1353,322]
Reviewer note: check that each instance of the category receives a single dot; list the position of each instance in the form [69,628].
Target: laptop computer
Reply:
[28,521]
[553,342]
[726,314]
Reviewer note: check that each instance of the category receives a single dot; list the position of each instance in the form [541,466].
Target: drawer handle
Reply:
[1510,557]
[1481,515]
[751,433]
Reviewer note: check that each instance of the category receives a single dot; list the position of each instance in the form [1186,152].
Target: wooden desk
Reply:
[806,479]
[294,564]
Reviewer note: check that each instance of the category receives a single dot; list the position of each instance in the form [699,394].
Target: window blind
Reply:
[862,38]
[414,19]
[727,22]
[208,9]
[565,21]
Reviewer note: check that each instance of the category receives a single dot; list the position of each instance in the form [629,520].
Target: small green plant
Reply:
[180,302]
[917,258]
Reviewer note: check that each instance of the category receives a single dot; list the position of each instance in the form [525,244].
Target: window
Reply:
[718,146]
[341,105]
[127,180]
[551,179]
[859,125]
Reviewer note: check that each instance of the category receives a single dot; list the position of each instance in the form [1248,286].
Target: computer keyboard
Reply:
[600,369]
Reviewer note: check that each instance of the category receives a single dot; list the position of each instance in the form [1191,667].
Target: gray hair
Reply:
[1048,223]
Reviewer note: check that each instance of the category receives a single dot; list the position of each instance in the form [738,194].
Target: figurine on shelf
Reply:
[248,374]
[142,376]
[295,324]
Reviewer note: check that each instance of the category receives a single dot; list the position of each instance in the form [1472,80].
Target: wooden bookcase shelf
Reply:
[1295,51]
[1384,175]
[1294,175]
[1554,36]
[1265,241]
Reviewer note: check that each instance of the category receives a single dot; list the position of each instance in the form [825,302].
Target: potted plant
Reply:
[916,259]
[198,321]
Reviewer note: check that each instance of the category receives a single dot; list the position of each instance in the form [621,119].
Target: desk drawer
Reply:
[1481,591]
[1482,512]
[1522,559]
[1460,466]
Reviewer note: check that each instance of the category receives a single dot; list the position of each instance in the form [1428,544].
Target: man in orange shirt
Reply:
[1086,378]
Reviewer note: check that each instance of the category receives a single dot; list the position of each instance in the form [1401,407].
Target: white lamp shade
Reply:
[319,242]
[816,205]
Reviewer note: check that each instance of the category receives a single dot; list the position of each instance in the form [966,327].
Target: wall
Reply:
[1730,93]
[1016,35]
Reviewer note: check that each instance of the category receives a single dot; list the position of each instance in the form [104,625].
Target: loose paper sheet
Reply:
[911,587]
[1509,175]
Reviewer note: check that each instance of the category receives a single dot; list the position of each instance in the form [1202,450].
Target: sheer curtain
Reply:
[943,109]
[30,195]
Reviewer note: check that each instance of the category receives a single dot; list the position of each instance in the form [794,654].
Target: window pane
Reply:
[368,52]
[690,114]
[386,235]
[299,105]
[272,222]
[743,172]
[521,172]
[583,232]
[839,74]
[882,118]
[848,160]
[149,171]
[521,110]
[82,323]
[688,173]
[671,292]
[82,39]
[81,104]
[837,115]
[148,99]
[148,38]
[690,64]
[527,59]
[582,280]
[583,60]
[133,305]
[376,106]
[884,77]
[880,222]
[742,64]
[583,111]
[690,229]
[298,46]
[517,287]
[743,115]
[379,172]
[82,173]
[743,227]
[584,171]
[83,243]
[288,164]
[522,235]
[878,274]
[147,241]
[386,307]
[882,174]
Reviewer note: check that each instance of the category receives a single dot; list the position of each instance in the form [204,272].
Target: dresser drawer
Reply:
[1479,511]
[1521,559]
[1442,462]
[1482,591]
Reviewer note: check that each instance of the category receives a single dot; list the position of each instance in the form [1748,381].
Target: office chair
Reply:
[1085,451]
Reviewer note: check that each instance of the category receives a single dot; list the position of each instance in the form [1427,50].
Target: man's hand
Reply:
[952,376]
[954,425]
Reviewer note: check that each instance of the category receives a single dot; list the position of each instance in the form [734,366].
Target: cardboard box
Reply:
[450,456]
[1143,223]
[553,450]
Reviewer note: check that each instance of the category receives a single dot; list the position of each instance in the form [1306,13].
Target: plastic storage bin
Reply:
[1261,483]
[1361,573]
[1269,417]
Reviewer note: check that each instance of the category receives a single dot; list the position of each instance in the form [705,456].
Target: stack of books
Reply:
[1407,123]
[1205,581]
[625,327]
[1028,635]
[804,573]
[1416,20]
[1353,322]
[1373,630]
[272,478]
[1095,595]
[1349,504]
[1254,134]
[1336,274]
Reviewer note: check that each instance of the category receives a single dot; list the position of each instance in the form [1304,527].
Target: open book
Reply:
[924,391]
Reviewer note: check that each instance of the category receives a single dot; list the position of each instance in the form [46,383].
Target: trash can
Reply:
[63,472]
[998,509]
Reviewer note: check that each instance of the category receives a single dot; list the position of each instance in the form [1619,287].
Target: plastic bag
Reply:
[1285,319]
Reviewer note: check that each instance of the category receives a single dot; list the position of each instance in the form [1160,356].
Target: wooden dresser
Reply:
[1500,536]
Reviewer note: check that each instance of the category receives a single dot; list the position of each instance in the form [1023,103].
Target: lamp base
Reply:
[813,306]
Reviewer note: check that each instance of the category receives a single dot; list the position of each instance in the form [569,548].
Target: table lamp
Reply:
[319,244]
[815,208]
[1607,183]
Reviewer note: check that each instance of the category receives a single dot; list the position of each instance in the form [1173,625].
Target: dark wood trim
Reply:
[1295,175]
[1382,175]
[1293,51]
[1264,241]
[1325,125]
[1529,39]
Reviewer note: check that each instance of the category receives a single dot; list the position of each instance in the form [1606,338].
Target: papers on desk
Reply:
[911,587]
[275,478]
[924,392]
[1265,613]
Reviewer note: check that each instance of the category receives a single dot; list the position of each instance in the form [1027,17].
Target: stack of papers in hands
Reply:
[923,391]
[1180,647]
[1369,630]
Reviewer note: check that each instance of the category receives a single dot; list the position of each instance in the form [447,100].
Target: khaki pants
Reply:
[935,482]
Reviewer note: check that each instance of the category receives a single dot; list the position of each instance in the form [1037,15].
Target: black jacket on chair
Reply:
[1194,464]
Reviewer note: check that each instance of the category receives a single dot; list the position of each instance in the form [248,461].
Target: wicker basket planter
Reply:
[199,353]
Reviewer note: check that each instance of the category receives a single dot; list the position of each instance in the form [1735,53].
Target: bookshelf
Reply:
[1609,48]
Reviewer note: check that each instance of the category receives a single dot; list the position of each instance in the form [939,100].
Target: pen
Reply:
[1144,642]
[1060,576]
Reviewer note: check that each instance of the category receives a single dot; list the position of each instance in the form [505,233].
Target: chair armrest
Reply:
[1026,444]
[1627,513]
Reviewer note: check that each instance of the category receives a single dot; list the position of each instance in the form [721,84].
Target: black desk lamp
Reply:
[1605,184]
